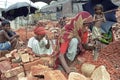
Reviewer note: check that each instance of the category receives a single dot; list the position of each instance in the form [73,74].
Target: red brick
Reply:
[2,53]
[15,65]
[13,72]
[39,69]
[4,66]
[27,66]
[2,58]
[54,75]
[12,78]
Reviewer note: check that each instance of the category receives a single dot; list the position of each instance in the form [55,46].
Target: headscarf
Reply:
[77,21]
[39,31]
[74,27]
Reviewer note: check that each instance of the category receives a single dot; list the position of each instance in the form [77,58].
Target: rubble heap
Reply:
[112,54]
[109,57]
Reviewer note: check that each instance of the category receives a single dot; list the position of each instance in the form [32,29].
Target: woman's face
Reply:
[85,27]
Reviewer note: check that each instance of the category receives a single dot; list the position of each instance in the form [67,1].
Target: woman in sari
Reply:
[74,33]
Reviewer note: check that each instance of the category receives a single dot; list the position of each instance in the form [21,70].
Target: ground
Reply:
[109,57]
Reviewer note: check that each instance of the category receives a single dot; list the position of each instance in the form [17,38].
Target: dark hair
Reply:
[64,17]
[5,23]
[98,6]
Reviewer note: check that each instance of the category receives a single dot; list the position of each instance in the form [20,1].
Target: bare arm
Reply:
[104,19]
[9,38]
[48,44]
[94,17]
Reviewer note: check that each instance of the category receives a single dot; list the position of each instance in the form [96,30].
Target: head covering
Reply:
[40,31]
[76,22]
[85,16]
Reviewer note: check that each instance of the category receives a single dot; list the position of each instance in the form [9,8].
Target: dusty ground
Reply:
[109,56]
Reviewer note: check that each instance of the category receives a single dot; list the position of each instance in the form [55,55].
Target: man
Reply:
[40,44]
[6,42]
[72,36]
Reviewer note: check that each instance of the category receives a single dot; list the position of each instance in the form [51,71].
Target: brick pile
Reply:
[47,72]
[109,57]
[112,54]
[23,35]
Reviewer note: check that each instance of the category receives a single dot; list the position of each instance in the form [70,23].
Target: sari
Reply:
[74,30]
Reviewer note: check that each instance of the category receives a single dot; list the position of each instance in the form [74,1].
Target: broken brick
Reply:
[4,66]
[54,75]
[13,72]
[27,66]
[25,57]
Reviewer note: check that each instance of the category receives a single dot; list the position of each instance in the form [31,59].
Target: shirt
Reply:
[38,47]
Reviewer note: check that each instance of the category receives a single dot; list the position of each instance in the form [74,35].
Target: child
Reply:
[98,19]
[6,42]
[99,15]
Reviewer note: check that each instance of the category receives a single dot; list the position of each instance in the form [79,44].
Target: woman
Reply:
[73,35]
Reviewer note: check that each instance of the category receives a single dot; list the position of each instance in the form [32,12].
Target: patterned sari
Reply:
[74,30]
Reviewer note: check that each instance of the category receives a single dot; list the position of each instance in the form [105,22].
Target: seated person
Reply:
[110,15]
[98,19]
[40,44]
[6,42]
[6,26]
[8,30]
[72,37]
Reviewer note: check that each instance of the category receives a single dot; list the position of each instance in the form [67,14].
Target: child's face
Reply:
[98,10]
[7,27]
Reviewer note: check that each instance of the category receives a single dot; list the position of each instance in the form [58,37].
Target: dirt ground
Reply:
[109,56]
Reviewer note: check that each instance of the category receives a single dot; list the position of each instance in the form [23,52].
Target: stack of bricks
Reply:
[10,70]
[4,67]
[48,73]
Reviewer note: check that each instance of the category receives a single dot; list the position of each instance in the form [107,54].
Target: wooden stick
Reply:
[105,13]
[110,11]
